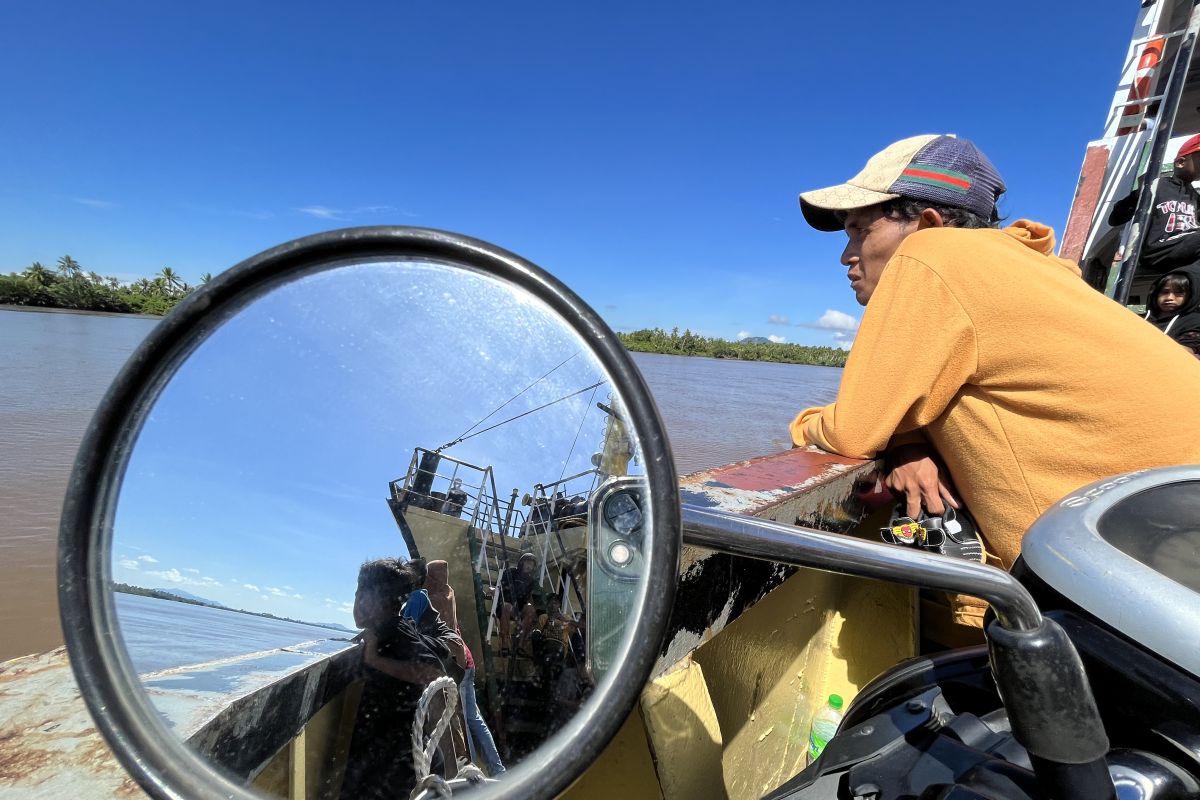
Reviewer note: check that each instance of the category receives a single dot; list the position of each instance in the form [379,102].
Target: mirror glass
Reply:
[312,445]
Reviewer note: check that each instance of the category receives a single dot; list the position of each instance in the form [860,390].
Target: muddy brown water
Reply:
[56,366]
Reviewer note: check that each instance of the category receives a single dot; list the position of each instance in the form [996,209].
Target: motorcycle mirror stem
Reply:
[1038,672]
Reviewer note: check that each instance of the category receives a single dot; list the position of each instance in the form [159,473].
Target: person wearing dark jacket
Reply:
[398,661]
[1170,239]
[1174,306]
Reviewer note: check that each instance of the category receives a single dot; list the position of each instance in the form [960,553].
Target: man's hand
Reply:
[916,475]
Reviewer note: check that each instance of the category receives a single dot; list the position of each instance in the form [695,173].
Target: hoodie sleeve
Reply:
[915,350]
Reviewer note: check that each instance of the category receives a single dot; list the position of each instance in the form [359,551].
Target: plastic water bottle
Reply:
[824,726]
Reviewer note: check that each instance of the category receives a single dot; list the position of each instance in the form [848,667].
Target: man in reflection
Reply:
[398,663]
[523,597]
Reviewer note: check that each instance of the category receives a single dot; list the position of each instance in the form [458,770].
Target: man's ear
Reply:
[930,218]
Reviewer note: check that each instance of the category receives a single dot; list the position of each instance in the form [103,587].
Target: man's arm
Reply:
[419,671]
[1122,210]
[914,351]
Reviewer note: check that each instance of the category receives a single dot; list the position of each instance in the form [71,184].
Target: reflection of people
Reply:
[398,664]
[522,595]
[431,624]
[1169,240]
[1174,306]
[982,345]
[441,594]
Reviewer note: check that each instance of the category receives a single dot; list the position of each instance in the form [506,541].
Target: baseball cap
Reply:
[940,169]
[1192,145]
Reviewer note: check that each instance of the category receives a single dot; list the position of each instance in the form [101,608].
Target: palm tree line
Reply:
[68,285]
[657,340]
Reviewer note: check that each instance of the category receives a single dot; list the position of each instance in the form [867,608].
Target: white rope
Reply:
[423,754]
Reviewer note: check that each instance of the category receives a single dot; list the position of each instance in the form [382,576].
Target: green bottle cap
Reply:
[835,700]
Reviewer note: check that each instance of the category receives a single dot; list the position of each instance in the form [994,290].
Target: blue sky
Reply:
[259,480]
[649,155]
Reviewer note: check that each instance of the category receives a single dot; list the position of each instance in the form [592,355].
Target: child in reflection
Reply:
[398,663]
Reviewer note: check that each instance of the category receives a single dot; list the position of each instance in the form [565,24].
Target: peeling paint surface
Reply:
[49,747]
[801,486]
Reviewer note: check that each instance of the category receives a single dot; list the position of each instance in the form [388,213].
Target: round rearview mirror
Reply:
[352,467]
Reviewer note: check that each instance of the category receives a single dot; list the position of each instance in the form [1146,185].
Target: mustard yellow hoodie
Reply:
[1027,382]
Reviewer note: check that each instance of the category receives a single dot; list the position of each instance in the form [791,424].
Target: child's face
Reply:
[1170,299]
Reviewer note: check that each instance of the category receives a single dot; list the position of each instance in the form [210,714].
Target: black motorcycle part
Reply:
[1051,709]
[962,675]
[919,749]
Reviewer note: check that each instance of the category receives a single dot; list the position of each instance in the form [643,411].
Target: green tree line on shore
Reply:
[68,285]
[657,340]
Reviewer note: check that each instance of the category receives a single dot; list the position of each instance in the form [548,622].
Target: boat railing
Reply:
[551,505]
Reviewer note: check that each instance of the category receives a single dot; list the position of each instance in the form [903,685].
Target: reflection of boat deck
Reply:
[751,649]
[528,684]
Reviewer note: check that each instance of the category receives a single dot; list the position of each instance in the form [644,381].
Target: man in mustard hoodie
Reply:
[984,364]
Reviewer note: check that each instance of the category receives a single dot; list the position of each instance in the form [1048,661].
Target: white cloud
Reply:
[842,325]
[169,575]
[742,335]
[344,214]
[148,559]
[298,596]
[777,339]
[128,563]
[251,587]
[322,212]
[778,319]
[102,205]
[191,570]
[836,321]
[175,576]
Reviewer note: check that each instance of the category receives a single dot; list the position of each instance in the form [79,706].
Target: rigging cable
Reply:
[509,400]
[461,439]
[578,430]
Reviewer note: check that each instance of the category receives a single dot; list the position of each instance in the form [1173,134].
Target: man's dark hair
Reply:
[390,577]
[907,209]
[419,572]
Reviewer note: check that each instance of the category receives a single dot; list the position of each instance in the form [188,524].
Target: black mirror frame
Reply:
[163,765]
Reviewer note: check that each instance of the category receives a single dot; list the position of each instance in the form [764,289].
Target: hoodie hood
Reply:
[438,575]
[1191,307]
[1040,239]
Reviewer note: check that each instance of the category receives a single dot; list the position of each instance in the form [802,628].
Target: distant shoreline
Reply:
[155,594]
[53,310]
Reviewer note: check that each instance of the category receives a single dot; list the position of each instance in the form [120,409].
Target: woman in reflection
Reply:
[398,663]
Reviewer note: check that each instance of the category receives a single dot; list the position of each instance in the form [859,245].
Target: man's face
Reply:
[873,240]
[1187,168]
[368,608]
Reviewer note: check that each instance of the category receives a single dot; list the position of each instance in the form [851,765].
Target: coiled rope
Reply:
[427,781]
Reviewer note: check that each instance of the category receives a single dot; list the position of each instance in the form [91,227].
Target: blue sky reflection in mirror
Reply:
[259,478]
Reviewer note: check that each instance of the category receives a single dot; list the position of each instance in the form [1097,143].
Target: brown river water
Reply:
[56,366]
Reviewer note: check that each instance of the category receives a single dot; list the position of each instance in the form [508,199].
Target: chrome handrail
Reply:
[834,552]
